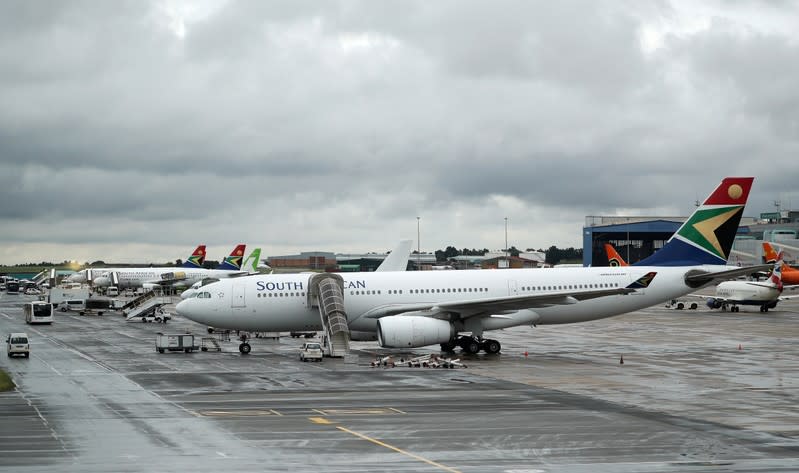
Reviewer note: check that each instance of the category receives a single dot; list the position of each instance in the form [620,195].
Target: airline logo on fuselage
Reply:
[298,285]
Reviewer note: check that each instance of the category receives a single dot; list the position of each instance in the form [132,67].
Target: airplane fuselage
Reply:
[168,276]
[747,293]
[280,302]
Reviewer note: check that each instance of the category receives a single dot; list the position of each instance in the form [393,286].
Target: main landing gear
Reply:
[472,345]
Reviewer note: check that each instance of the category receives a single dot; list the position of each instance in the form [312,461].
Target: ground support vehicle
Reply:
[311,351]
[18,344]
[184,342]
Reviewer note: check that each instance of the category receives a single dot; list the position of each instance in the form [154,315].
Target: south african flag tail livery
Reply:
[707,236]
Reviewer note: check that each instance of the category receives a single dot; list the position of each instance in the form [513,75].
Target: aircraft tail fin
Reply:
[196,259]
[707,236]
[252,260]
[397,260]
[768,253]
[776,274]
[614,258]
[233,261]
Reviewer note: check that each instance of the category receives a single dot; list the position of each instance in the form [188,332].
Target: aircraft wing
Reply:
[498,305]
[697,278]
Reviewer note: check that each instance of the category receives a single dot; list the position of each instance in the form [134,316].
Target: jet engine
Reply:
[713,303]
[411,331]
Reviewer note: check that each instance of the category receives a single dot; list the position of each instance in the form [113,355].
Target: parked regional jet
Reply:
[766,294]
[790,275]
[196,260]
[420,308]
[151,277]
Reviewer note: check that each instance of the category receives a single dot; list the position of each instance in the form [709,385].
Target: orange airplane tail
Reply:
[614,258]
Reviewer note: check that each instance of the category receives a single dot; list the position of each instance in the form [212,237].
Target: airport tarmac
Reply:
[96,396]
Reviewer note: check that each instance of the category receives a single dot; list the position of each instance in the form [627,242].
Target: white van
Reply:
[112,291]
[18,344]
[75,305]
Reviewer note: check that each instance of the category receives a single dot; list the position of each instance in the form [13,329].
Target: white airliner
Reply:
[420,308]
[151,277]
[766,294]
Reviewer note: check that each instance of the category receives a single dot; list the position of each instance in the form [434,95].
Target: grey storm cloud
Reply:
[333,125]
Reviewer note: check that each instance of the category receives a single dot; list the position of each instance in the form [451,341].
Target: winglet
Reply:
[643,282]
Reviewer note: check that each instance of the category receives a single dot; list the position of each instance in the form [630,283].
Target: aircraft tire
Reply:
[245,348]
[448,347]
[491,346]
[470,346]
[694,305]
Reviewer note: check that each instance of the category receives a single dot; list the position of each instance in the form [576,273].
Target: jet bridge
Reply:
[326,291]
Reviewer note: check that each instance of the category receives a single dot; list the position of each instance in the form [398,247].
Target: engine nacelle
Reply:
[713,303]
[411,331]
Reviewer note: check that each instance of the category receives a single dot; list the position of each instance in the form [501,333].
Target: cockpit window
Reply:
[204,295]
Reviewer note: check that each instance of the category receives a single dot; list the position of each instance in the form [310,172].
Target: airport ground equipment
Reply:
[184,342]
[680,305]
[303,334]
[59,294]
[147,304]
[209,344]
[311,351]
[326,291]
[18,344]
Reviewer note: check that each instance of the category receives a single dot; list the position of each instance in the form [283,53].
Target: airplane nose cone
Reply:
[187,293]
[182,308]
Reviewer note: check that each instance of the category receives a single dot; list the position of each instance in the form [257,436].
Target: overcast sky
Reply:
[133,131]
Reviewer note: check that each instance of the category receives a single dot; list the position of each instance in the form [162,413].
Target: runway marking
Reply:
[320,420]
[398,450]
[6,315]
[359,411]
[239,413]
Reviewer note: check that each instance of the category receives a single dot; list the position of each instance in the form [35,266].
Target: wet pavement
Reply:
[96,396]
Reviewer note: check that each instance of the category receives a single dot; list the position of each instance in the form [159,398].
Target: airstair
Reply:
[326,291]
[147,303]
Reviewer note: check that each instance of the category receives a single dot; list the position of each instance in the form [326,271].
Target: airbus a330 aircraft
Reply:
[419,308]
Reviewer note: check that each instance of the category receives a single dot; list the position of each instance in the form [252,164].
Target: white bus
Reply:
[38,312]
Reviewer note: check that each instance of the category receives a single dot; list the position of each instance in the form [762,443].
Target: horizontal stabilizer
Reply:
[699,278]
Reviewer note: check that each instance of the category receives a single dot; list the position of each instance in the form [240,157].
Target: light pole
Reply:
[418,246]
[507,253]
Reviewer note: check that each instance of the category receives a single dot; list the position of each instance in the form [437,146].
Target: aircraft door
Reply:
[239,290]
[513,288]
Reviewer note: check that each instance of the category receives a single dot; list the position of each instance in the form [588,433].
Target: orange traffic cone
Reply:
[525,354]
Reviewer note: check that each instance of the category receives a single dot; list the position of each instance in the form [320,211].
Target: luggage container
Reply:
[175,342]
